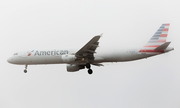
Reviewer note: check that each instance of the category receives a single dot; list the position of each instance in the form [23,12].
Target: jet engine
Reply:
[68,58]
[73,68]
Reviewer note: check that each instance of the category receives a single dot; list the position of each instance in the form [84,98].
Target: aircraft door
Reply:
[24,54]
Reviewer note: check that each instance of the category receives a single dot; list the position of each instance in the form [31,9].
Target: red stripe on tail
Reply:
[152,46]
[161,51]
[161,41]
[165,29]
[163,35]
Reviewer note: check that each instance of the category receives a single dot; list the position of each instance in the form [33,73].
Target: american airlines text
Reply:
[52,53]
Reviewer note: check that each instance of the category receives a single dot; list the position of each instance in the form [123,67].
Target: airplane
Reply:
[87,55]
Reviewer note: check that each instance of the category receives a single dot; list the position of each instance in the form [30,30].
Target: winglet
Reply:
[101,34]
[163,46]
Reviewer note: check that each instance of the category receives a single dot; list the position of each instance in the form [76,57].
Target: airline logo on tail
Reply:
[157,40]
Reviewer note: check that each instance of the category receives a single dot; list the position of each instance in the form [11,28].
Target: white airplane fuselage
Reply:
[91,54]
[68,57]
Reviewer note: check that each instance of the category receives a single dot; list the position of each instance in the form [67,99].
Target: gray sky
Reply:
[42,24]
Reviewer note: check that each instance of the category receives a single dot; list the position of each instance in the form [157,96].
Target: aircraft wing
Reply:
[88,50]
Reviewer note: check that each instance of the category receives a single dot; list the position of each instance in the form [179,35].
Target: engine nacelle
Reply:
[68,58]
[73,68]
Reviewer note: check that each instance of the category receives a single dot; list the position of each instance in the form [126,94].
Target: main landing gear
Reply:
[25,70]
[88,66]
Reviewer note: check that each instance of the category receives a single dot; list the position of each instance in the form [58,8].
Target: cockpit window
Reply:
[15,53]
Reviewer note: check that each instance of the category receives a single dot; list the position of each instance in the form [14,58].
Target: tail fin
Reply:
[157,39]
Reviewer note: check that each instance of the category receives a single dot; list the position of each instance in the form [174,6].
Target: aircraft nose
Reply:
[10,60]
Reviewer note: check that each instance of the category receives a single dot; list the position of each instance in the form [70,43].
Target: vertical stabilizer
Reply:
[157,39]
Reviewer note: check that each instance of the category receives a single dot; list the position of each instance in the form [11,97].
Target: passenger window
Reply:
[15,53]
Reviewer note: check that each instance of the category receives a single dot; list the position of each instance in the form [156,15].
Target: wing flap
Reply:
[97,64]
[91,51]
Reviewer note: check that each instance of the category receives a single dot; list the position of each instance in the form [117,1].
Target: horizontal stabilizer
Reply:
[163,46]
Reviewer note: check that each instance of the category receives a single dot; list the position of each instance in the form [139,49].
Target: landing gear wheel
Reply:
[90,71]
[25,71]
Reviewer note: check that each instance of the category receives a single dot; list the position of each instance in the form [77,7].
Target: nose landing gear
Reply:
[25,70]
